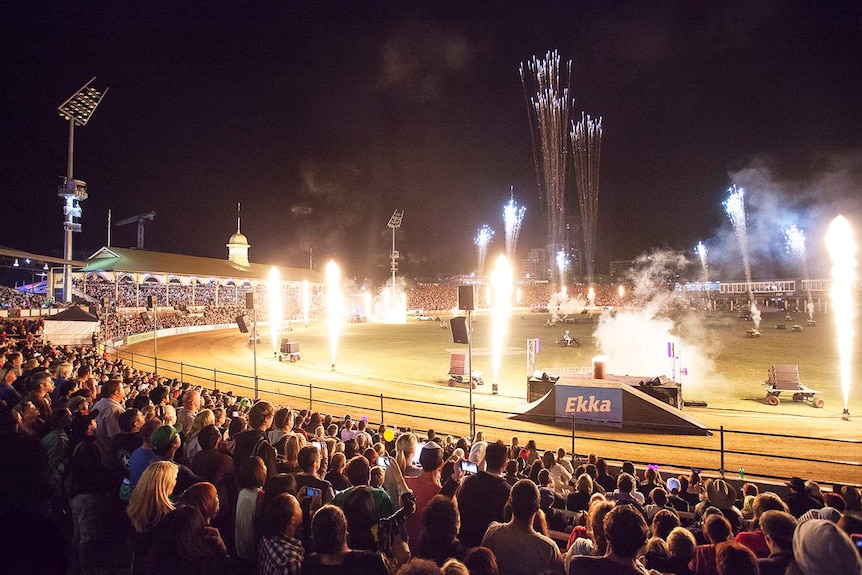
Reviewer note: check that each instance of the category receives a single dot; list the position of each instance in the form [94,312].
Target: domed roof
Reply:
[238,238]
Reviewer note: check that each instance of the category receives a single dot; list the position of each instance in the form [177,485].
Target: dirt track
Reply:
[445,410]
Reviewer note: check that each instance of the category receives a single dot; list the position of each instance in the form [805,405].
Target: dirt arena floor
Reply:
[388,364]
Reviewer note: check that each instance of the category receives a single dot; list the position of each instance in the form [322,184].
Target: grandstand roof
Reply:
[125,260]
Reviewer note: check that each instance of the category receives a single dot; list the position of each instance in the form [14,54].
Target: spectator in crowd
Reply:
[680,551]
[203,496]
[250,478]
[517,546]
[191,403]
[165,442]
[625,493]
[754,538]
[721,495]
[335,476]
[309,460]
[40,387]
[143,455]
[184,545]
[149,504]
[482,497]
[438,540]
[560,476]
[215,466]
[401,466]
[9,396]
[332,555]
[627,534]
[777,528]
[652,479]
[579,499]
[280,552]
[732,558]
[110,406]
[282,427]
[358,472]
[799,500]
[591,541]
[658,498]
[55,445]
[717,529]
[677,502]
[424,488]
[191,445]
[820,547]
[663,522]
[27,416]
[253,443]
[482,561]
[362,519]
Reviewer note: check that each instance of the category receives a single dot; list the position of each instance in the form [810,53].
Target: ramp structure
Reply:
[611,401]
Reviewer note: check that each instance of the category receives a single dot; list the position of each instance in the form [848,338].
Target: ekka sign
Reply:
[599,405]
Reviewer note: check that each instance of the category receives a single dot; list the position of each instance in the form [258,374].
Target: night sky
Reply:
[322,118]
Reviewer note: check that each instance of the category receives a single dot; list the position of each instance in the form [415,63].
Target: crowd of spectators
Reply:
[146,475]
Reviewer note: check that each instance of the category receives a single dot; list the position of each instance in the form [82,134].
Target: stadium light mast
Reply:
[78,109]
[394,224]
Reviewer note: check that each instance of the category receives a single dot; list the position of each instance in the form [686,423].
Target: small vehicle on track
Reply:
[784,377]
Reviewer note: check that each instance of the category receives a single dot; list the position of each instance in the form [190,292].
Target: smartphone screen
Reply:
[383,461]
[469,467]
[418,452]
[312,492]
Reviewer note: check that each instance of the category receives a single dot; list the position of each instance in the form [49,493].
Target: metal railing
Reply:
[402,412]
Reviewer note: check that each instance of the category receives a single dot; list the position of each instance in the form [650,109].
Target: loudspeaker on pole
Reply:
[249,300]
[151,302]
[466,297]
[145,317]
[458,325]
[242,322]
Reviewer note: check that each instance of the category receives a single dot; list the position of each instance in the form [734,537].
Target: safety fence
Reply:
[716,454]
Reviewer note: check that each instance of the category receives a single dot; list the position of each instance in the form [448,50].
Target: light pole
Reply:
[77,109]
[394,224]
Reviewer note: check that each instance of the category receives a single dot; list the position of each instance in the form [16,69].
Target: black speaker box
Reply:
[249,300]
[242,322]
[151,302]
[466,297]
[145,317]
[458,326]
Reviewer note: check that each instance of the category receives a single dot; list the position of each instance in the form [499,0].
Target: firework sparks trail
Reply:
[734,205]
[587,145]
[562,266]
[701,252]
[794,239]
[482,239]
[546,88]
[513,217]
[842,252]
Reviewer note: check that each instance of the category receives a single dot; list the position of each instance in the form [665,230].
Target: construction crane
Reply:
[139,219]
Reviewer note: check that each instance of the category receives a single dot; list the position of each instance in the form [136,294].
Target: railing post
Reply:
[310,397]
[472,422]
[214,378]
[721,435]
[573,436]
[133,360]
[381,408]
[181,371]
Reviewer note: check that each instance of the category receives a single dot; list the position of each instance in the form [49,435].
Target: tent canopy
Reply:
[73,326]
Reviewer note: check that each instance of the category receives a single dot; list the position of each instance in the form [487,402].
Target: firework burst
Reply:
[482,239]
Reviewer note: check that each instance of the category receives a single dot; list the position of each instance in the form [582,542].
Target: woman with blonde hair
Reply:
[401,467]
[149,504]
[191,446]
[291,453]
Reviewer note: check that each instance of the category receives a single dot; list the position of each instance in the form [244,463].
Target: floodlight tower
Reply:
[394,224]
[77,109]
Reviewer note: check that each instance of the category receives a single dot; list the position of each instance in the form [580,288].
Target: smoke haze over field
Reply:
[636,342]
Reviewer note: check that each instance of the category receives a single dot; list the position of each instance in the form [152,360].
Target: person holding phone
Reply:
[424,487]
[309,462]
